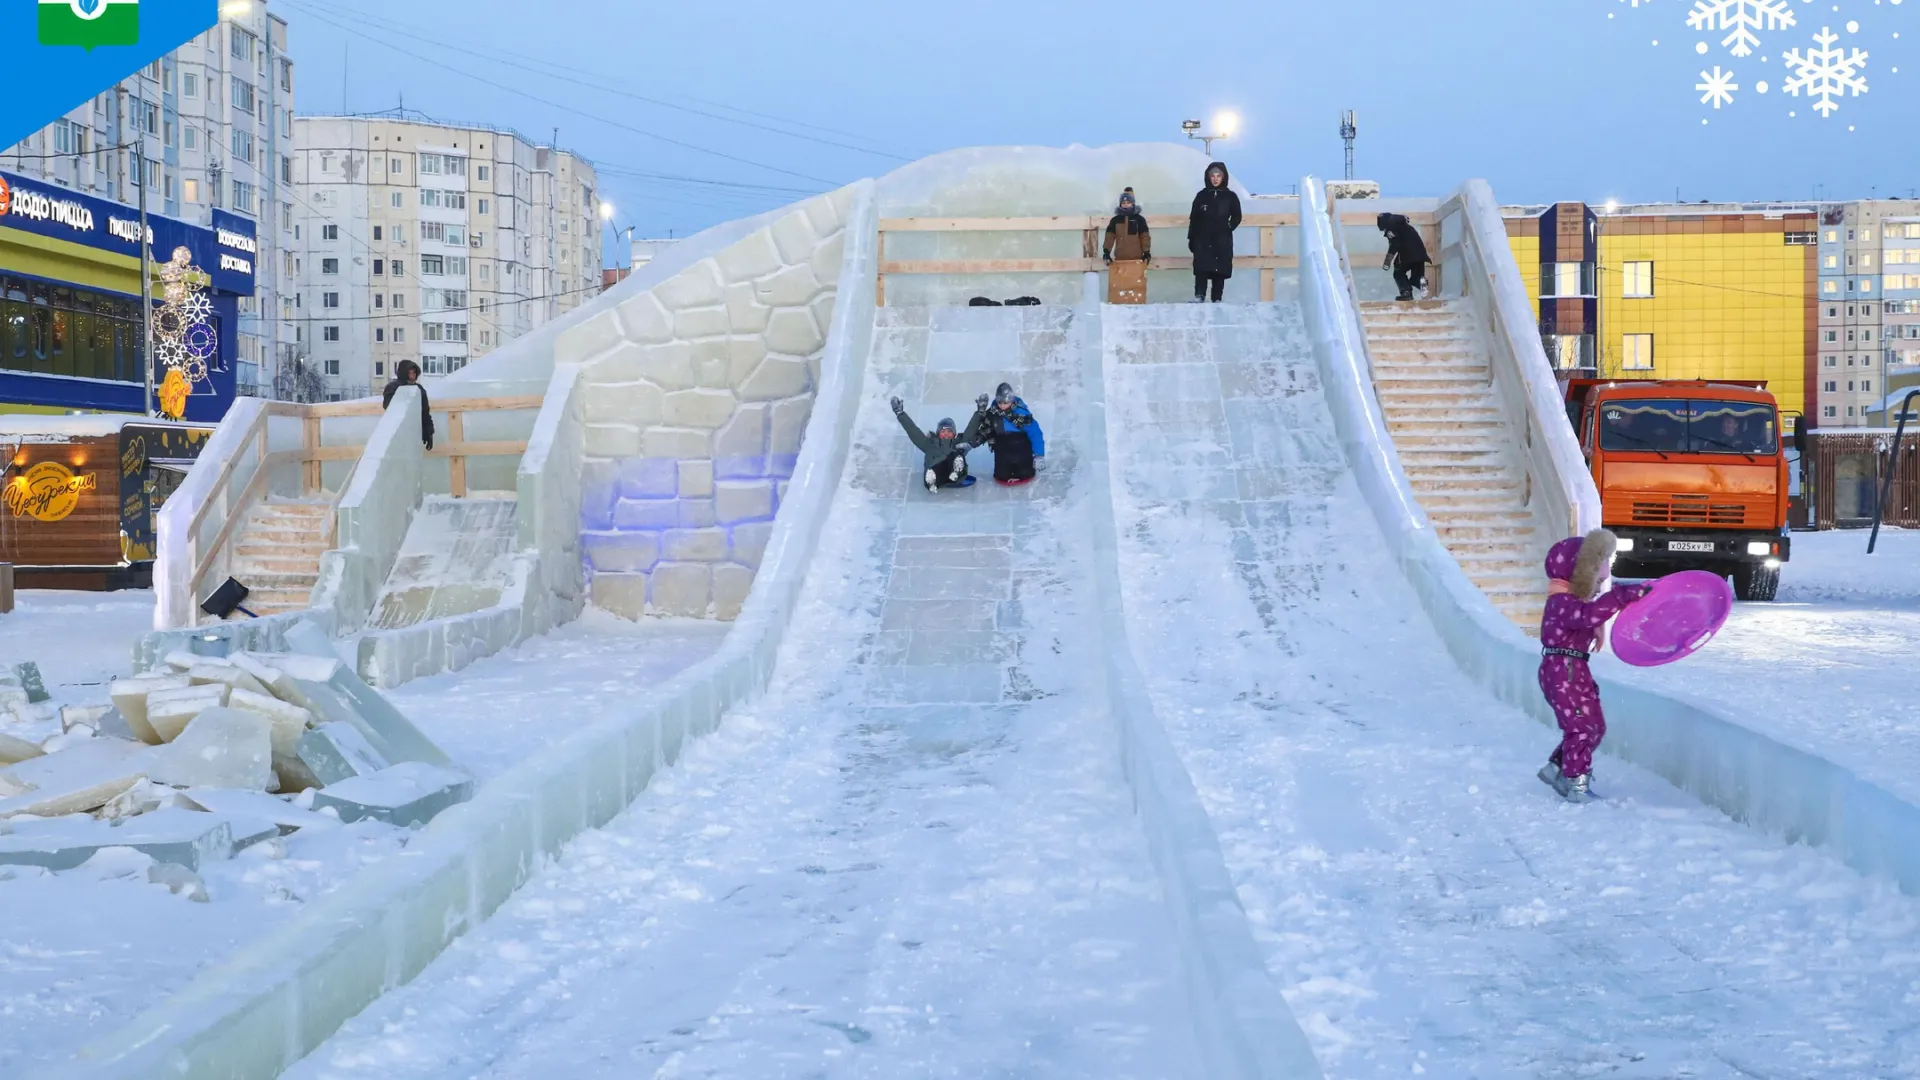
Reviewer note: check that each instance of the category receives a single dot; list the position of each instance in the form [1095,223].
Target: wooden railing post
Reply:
[457,464]
[310,440]
[1266,272]
[880,280]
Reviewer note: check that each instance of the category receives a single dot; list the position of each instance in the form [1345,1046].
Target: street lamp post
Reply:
[1224,126]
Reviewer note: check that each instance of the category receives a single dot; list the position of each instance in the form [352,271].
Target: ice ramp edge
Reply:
[257,1013]
[1754,779]
[1242,1022]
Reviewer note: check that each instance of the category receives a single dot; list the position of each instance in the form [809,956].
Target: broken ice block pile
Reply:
[185,762]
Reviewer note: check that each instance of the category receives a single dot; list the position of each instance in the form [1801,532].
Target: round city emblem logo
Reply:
[6,197]
[47,492]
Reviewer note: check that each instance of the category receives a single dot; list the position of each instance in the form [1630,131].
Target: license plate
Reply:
[1690,545]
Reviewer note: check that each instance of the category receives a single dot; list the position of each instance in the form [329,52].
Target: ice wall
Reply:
[698,391]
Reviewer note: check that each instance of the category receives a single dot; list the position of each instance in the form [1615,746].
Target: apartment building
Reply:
[205,129]
[1676,291]
[433,242]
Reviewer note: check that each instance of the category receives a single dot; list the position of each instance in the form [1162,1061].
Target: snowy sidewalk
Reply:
[1828,667]
[915,856]
[1429,905]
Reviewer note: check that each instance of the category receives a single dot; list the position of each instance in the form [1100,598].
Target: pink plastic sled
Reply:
[1681,614]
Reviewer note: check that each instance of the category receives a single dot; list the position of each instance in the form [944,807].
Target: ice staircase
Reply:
[1434,380]
[457,558]
[278,556]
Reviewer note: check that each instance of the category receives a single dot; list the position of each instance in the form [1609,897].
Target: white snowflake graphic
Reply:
[1717,88]
[1743,19]
[1826,73]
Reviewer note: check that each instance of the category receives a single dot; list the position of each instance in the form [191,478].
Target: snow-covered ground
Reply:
[1428,905]
[84,950]
[498,711]
[81,640]
[914,856]
[1828,666]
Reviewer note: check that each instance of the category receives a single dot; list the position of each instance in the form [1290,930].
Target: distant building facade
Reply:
[431,242]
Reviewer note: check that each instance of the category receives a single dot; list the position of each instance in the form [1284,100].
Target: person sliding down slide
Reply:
[1570,629]
[1005,424]
[945,452]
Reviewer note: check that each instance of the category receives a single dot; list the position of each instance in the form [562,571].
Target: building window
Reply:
[1830,286]
[1866,386]
[483,206]
[242,95]
[1833,311]
[1828,411]
[379,300]
[379,334]
[398,201]
[483,173]
[399,302]
[1831,335]
[486,338]
[432,264]
[379,266]
[1831,262]
[243,197]
[376,232]
[399,268]
[190,85]
[1832,386]
[379,369]
[399,335]
[394,167]
[329,266]
[1849,410]
[330,300]
[1866,261]
[1636,350]
[191,188]
[1833,361]
[329,232]
[330,333]
[1567,279]
[1636,279]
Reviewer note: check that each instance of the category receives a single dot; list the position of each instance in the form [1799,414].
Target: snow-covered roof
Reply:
[78,427]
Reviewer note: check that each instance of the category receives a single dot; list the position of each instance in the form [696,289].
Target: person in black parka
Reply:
[1406,254]
[407,373]
[1216,213]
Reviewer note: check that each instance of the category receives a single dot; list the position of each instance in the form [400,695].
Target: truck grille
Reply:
[1689,510]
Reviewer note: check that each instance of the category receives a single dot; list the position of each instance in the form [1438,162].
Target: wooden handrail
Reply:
[1068,266]
[220,479]
[1079,222]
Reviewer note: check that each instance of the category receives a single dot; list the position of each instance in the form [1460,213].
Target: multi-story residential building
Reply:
[433,242]
[1676,291]
[204,130]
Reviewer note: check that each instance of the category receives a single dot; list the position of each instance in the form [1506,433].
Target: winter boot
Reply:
[1550,775]
[933,480]
[1575,789]
[1404,297]
[1198,300]
[959,470]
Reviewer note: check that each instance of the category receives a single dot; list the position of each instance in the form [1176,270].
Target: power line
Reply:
[552,70]
[521,92]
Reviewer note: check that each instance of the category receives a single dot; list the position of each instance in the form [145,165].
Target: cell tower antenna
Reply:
[1349,131]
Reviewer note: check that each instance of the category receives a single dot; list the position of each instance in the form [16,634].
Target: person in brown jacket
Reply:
[1128,242]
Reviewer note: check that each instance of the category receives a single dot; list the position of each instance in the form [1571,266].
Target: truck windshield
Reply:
[1688,426]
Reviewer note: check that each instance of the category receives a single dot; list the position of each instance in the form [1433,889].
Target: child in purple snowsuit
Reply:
[1570,629]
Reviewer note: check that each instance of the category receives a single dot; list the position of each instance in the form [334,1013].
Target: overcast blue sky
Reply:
[1547,99]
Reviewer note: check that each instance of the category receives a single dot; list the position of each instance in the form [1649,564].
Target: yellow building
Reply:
[1677,292]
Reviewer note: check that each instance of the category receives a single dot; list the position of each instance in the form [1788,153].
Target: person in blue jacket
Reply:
[1007,425]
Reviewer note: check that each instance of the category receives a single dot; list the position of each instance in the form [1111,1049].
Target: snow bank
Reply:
[280,997]
[1241,1021]
[1755,779]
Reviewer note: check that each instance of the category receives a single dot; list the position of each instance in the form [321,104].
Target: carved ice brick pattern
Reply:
[698,393]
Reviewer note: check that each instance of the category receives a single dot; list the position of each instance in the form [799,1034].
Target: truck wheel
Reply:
[1753,582]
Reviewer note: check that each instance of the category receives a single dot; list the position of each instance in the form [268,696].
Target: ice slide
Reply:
[916,855]
[1426,902]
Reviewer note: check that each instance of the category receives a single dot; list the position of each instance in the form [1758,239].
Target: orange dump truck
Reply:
[1692,476]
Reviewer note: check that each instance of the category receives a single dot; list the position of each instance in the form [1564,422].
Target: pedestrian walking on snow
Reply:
[1128,251]
[1216,213]
[1406,253]
[1571,628]
[943,450]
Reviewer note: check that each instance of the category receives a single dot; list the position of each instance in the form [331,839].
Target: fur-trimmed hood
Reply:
[1583,563]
